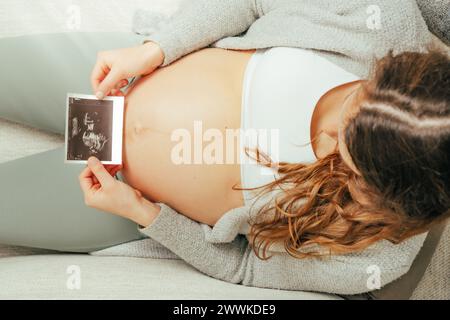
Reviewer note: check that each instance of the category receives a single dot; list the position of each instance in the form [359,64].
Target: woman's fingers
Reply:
[112,169]
[117,93]
[105,79]
[115,170]
[108,83]
[85,179]
[122,83]
[98,73]
[102,175]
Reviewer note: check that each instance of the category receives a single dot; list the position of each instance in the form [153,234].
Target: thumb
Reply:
[100,172]
[108,83]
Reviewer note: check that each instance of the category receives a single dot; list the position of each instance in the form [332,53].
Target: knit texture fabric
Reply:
[437,15]
[235,261]
[435,283]
[352,34]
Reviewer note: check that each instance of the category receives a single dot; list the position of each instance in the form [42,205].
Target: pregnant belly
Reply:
[166,116]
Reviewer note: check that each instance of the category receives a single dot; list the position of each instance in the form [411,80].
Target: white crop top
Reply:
[281,88]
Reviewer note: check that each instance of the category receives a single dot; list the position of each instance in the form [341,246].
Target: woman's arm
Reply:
[199,23]
[237,263]
[196,24]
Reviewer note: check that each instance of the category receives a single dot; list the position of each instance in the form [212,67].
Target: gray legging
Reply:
[41,204]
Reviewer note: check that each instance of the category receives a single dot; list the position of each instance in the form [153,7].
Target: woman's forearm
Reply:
[236,261]
[197,24]
[145,212]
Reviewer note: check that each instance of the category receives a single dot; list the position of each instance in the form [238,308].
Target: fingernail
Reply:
[100,95]
[92,160]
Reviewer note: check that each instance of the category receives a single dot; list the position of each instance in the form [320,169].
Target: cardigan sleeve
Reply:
[197,24]
[236,261]
[352,33]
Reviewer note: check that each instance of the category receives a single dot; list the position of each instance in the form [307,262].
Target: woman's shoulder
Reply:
[345,274]
[389,256]
[348,274]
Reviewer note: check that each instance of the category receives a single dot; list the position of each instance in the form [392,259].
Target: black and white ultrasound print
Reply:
[90,128]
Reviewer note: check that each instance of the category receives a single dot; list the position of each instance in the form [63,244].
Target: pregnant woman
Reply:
[359,172]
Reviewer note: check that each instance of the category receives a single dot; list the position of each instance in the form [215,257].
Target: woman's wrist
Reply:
[146,212]
[155,53]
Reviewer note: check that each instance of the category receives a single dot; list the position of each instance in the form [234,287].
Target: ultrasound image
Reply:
[90,125]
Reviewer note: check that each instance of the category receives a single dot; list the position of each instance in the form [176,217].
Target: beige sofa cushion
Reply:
[46,277]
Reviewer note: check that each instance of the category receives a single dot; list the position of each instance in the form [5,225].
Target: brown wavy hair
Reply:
[400,143]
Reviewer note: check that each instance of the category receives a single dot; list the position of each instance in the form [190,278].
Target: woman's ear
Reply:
[327,142]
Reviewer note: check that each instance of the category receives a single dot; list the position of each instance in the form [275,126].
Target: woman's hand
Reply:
[103,192]
[114,67]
